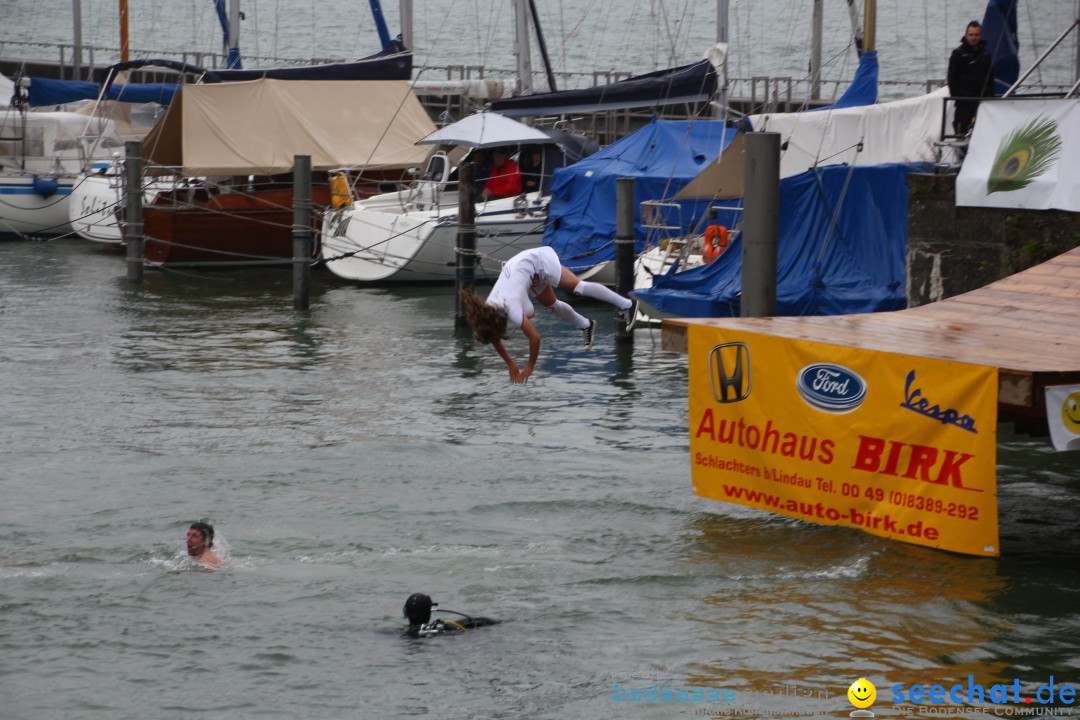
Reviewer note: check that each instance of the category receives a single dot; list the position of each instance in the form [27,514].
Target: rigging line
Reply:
[216,251]
[1034,44]
[926,24]
[667,30]
[569,36]
[405,96]
[277,26]
[255,22]
[791,25]
[835,213]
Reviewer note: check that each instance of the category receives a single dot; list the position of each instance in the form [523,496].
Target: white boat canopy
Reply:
[485,130]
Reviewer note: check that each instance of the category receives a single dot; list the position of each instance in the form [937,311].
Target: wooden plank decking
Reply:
[1027,325]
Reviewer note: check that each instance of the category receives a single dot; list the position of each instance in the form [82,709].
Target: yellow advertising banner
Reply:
[898,446]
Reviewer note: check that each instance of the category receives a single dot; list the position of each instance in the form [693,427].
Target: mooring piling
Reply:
[624,249]
[465,278]
[133,226]
[761,224]
[302,237]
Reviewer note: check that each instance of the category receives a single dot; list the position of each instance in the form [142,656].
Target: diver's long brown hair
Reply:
[487,323]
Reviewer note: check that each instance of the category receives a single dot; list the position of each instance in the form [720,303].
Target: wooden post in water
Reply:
[133,226]
[302,239]
[465,278]
[624,248]
[761,224]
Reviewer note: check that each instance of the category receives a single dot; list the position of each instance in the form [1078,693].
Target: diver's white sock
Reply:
[569,314]
[596,291]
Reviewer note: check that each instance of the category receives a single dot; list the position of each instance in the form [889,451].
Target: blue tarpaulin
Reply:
[841,249]
[1000,35]
[661,157]
[45,91]
[863,87]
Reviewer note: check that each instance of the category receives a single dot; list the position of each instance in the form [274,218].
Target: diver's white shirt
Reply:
[532,269]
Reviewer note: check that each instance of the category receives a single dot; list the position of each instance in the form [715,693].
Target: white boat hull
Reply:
[95,200]
[372,245]
[92,210]
[24,211]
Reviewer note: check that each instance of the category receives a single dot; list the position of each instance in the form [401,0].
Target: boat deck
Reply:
[1027,325]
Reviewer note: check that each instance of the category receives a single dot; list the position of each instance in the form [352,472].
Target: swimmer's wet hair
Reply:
[206,529]
[487,323]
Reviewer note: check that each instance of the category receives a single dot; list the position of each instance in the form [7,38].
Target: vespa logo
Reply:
[729,372]
[832,388]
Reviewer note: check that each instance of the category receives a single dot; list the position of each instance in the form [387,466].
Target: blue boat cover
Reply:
[661,157]
[686,83]
[45,91]
[999,32]
[841,250]
[393,62]
[863,87]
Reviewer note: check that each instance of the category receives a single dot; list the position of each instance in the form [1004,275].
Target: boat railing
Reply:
[663,225]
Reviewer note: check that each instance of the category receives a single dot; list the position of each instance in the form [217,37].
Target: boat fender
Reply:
[339,192]
[46,188]
[716,242]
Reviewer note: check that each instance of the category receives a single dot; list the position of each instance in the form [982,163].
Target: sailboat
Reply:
[843,212]
[410,236]
[230,140]
[42,155]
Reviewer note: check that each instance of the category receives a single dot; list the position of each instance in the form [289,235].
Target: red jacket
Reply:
[505,180]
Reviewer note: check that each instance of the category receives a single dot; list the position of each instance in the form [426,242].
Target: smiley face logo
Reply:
[862,693]
[1070,413]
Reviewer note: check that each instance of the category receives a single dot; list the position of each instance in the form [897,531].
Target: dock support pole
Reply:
[624,248]
[301,239]
[465,278]
[133,227]
[761,224]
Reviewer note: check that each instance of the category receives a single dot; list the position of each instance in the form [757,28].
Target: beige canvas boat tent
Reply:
[256,127]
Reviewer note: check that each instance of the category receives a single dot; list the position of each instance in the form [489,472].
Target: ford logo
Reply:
[832,388]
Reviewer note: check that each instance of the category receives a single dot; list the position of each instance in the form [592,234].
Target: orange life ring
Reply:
[716,242]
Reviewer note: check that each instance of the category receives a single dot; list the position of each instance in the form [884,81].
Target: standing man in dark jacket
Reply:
[970,76]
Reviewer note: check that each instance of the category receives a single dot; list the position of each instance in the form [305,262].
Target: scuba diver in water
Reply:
[417,611]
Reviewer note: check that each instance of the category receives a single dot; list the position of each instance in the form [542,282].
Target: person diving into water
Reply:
[417,611]
[534,273]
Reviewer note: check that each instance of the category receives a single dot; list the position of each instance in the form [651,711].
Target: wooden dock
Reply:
[1027,325]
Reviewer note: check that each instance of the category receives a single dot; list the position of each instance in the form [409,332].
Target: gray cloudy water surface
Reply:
[361,452]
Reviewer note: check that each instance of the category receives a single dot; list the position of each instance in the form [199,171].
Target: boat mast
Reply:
[543,47]
[720,108]
[521,47]
[406,23]
[123,31]
[380,23]
[232,60]
[76,55]
[869,24]
[815,53]
[856,31]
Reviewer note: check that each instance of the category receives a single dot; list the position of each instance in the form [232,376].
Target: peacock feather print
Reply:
[1025,154]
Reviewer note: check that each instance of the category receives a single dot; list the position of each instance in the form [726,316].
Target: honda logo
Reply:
[729,372]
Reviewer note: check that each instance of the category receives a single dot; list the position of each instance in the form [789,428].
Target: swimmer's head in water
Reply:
[200,538]
[417,609]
